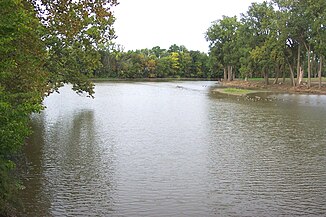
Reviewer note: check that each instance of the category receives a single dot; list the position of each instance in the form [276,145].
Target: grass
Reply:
[255,79]
[236,91]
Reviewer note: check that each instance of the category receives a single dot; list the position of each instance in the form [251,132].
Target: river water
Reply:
[176,149]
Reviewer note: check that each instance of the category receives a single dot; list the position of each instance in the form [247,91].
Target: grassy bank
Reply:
[258,85]
[235,91]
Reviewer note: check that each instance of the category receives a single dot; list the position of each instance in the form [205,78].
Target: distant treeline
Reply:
[175,62]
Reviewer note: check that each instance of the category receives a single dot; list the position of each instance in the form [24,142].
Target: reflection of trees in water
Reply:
[33,175]
[75,169]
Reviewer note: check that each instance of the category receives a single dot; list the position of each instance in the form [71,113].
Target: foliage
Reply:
[268,38]
[43,44]
[223,35]
[13,131]
[74,31]
[175,62]
[22,86]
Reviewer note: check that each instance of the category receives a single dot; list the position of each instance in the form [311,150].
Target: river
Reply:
[176,149]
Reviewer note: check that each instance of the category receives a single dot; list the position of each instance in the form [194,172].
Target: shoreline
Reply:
[235,87]
[250,87]
[149,79]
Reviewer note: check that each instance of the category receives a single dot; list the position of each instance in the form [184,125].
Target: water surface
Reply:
[176,149]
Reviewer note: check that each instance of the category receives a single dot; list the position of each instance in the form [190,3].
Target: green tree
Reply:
[22,86]
[74,32]
[153,63]
[158,52]
[306,30]
[222,36]
[164,67]
[261,21]
[199,65]
[185,64]
[43,44]
[318,10]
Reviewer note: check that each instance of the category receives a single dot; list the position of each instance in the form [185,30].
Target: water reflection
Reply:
[34,180]
[176,149]
[75,179]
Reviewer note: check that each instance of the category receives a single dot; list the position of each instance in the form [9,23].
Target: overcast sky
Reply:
[148,23]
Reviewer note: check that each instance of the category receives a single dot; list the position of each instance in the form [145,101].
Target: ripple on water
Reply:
[153,149]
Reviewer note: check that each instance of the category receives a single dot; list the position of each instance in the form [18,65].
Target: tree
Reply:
[222,36]
[43,44]
[75,30]
[152,63]
[317,11]
[174,63]
[306,30]
[269,40]
[185,63]
[164,67]
[22,86]
[158,52]
[261,22]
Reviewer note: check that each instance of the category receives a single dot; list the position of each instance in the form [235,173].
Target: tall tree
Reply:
[222,36]
[261,19]
[305,24]
[317,10]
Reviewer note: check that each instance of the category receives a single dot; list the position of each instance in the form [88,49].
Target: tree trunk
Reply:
[229,73]
[309,68]
[319,71]
[300,75]
[266,77]
[277,74]
[291,74]
[298,65]
[225,74]
[283,71]
[233,72]
[300,71]
[314,66]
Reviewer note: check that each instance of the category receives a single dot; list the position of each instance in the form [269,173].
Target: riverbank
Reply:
[148,79]
[246,87]
[235,91]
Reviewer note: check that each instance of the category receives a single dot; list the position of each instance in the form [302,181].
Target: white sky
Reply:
[148,23]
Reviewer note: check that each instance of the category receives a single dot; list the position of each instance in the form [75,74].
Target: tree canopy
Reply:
[175,62]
